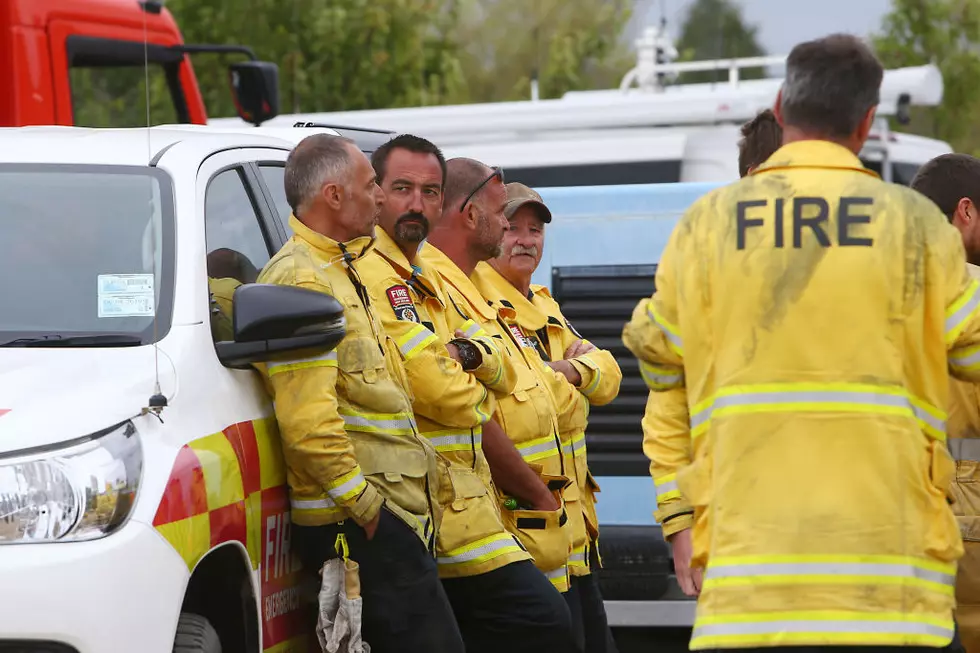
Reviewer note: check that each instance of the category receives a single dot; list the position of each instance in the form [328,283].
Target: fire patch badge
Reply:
[401,303]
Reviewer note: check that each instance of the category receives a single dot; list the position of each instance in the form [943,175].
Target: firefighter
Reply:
[808,311]
[489,577]
[469,231]
[361,478]
[952,182]
[593,372]
[666,428]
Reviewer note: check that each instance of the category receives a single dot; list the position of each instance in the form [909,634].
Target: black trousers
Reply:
[405,609]
[514,609]
[589,623]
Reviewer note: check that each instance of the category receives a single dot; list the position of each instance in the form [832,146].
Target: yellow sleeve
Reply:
[444,391]
[667,443]
[601,376]
[571,406]
[304,391]
[652,334]
[962,300]
[497,370]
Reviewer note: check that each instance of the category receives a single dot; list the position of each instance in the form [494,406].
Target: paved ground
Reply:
[652,640]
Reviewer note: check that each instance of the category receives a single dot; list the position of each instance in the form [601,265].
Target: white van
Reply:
[143,498]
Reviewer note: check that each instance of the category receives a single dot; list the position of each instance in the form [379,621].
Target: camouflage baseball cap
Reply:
[519,195]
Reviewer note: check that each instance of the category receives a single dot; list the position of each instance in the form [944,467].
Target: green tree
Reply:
[947,33]
[715,29]
[567,44]
[332,54]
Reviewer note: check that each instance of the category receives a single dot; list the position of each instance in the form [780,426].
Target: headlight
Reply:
[82,491]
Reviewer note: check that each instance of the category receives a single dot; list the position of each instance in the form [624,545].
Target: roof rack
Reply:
[320,125]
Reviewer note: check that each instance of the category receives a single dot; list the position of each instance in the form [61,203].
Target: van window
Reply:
[86,255]
[596,174]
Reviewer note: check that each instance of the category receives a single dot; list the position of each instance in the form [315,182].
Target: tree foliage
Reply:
[715,29]
[947,33]
[362,54]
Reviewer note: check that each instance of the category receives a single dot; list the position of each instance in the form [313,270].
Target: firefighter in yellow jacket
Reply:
[666,426]
[361,477]
[808,311]
[484,567]
[593,372]
[952,181]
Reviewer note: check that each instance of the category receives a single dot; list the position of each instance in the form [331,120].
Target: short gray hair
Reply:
[830,85]
[316,160]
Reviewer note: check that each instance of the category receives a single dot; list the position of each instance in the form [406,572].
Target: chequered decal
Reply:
[231,486]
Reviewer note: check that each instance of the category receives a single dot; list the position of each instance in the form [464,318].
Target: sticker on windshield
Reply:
[126,295]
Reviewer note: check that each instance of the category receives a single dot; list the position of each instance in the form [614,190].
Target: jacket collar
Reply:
[813,154]
[352,249]
[496,287]
[414,273]
[451,273]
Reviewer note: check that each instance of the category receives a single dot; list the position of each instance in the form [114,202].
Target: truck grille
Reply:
[599,301]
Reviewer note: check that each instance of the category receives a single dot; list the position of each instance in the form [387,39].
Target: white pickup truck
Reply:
[143,501]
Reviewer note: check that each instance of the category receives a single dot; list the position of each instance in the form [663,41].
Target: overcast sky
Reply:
[782,23]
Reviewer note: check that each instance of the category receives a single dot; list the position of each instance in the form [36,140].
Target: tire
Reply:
[636,563]
[195,634]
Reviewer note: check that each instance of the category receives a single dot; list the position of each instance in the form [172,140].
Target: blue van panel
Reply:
[612,225]
[626,501]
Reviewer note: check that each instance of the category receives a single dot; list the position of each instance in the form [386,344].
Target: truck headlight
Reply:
[82,490]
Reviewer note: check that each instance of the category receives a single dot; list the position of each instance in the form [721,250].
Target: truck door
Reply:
[99,77]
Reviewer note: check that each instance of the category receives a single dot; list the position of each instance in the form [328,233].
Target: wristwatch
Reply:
[468,352]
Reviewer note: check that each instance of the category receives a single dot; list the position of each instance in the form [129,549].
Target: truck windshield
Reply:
[86,255]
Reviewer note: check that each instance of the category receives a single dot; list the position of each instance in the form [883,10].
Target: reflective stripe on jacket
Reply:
[807,311]
[527,415]
[348,432]
[451,406]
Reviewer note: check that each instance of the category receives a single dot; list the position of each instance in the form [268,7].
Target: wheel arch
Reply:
[222,589]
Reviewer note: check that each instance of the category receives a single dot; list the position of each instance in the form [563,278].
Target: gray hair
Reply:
[315,161]
[830,85]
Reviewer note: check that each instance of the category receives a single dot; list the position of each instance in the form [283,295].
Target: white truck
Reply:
[143,499]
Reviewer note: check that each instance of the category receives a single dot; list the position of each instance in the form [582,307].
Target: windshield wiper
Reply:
[58,340]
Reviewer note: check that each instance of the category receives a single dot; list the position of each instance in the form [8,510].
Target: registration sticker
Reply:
[126,295]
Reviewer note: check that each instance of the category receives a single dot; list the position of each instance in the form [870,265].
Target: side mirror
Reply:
[272,320]
[255,90]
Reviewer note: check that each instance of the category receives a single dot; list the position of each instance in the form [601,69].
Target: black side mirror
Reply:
[272,320]
[255,89]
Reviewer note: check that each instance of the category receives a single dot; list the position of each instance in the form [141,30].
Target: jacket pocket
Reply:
[527,412]
[471,514]
[546,534]
[364,379]
[943,540]
[398,472]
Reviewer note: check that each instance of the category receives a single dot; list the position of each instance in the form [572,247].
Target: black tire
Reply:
[636,563]
[195,634]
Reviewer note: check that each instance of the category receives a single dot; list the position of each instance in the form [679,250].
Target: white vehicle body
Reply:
[655,133]
[209,530]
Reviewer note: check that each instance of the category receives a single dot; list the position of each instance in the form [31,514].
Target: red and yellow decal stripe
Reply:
[231,487]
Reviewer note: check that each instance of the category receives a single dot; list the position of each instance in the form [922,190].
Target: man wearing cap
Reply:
[593,372]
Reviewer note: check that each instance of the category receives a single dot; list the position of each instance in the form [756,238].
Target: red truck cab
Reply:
[52,50]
